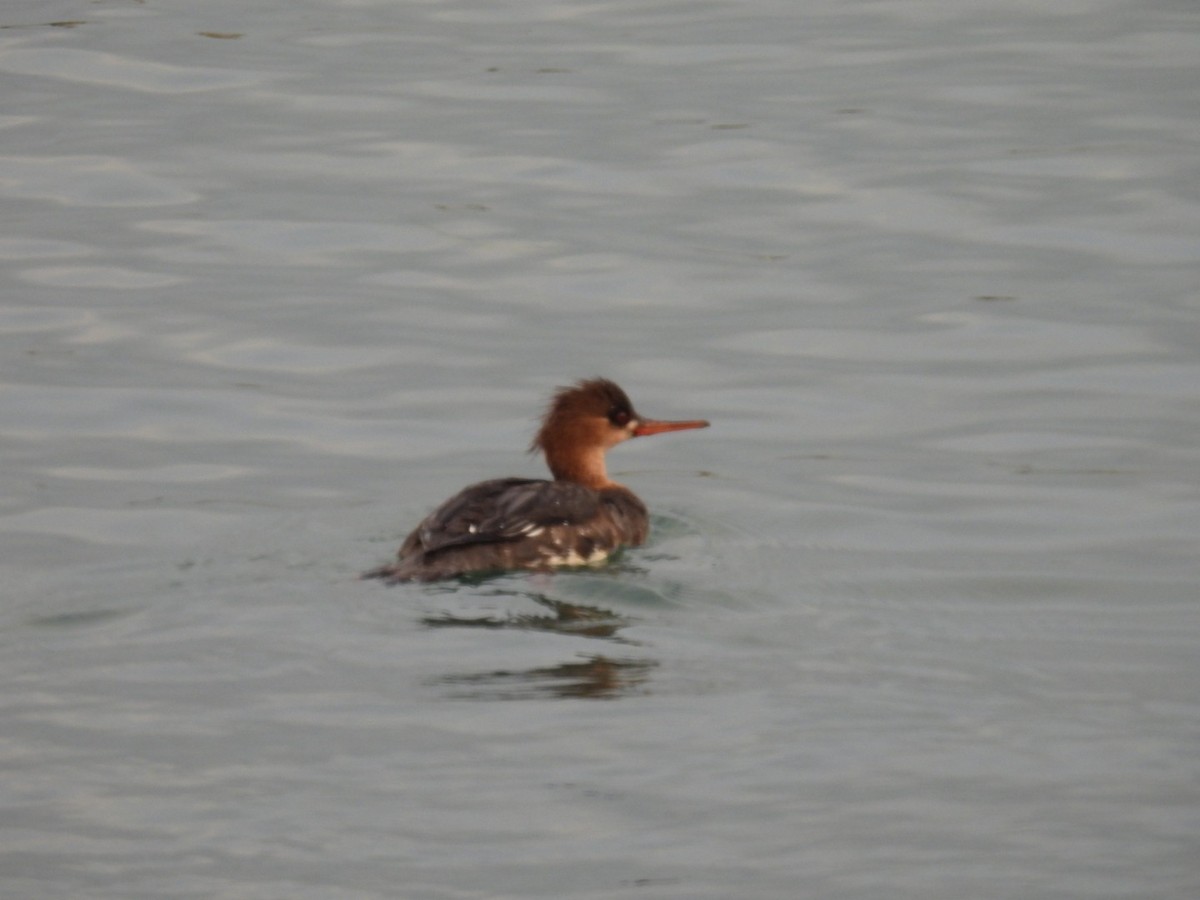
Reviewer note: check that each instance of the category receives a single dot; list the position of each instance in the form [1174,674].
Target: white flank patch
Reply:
[573,558]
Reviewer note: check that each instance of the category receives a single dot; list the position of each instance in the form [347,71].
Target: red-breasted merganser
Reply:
[580,517]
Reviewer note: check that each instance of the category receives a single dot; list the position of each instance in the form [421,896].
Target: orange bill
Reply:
[653,426]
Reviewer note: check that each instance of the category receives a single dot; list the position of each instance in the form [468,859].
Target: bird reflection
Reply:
[565,618]
[593,676]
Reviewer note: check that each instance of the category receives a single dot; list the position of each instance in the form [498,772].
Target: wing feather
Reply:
[499,511]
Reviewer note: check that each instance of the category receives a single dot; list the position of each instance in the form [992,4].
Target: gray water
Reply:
[919,617]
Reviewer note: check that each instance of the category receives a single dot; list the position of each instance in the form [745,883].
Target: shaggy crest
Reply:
[590,398]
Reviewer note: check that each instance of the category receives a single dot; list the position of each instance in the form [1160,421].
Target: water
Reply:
[919,615]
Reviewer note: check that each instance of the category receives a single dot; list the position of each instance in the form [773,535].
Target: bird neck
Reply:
[584,466]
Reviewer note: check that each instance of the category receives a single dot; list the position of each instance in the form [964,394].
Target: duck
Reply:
[580,517]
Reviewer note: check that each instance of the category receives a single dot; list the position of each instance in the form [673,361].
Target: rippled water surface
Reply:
[920,614]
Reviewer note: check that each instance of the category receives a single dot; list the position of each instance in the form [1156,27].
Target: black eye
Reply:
[619,417]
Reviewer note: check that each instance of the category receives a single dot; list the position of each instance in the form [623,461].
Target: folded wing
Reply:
[501,511]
